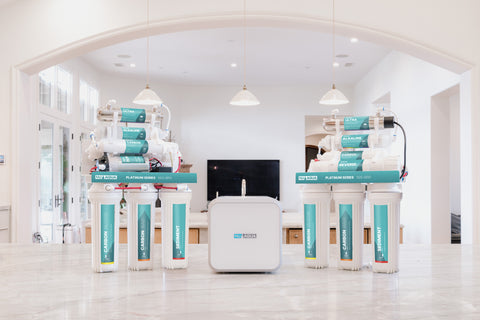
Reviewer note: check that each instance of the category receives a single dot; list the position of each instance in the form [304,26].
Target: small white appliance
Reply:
[244,234]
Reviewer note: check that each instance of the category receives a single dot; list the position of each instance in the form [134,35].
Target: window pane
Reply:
[93,105]
[46,180]
[46,80]
[64,90]
[64,148]
[83,95]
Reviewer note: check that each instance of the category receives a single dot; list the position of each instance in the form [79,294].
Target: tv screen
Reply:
[225,177]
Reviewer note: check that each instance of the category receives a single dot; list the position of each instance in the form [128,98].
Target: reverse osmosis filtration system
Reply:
[130,155]
[354,162]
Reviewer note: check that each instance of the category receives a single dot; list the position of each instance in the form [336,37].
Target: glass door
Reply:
[55,169]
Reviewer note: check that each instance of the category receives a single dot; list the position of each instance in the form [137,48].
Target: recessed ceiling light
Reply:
[336,64]
[119,65]
[348,64]
[124,56]
[307,67]
[132,65]
[342,55]
[353,40]
[233,65]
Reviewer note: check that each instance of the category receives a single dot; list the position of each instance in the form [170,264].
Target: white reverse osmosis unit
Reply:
[353,162]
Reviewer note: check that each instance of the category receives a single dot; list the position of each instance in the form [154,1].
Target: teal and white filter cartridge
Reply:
[141,225]
[178,231]
[175,227]
[133,115]
[104,202]
[309,230]
[349,202]
[316,228]
[384,201]
[132,133]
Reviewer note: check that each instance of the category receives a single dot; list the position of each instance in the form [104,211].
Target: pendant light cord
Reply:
[333,44]
[244,43]
[148,43]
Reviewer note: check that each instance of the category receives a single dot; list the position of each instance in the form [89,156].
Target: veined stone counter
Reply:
[56,282]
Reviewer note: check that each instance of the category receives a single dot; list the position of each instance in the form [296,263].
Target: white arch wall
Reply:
[437,31]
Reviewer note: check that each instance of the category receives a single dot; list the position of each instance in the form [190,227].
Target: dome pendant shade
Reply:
[333,97]
[147,97]
[244,98]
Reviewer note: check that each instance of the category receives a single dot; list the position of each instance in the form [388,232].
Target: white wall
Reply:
[57,30]
[455,173]
[411,83]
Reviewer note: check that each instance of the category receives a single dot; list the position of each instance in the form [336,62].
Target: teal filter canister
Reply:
[105,207]
[141,225]
[175,227]
[178,231]
[349,202]
[384,201]
[316,224]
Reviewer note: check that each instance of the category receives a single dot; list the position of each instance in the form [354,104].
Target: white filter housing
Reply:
[105,207]
[349,203]
[175,227]
[244,234]
[141,226]
[316,224]
[384,201]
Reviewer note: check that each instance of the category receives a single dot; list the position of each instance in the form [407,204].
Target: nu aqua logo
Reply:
[244,235]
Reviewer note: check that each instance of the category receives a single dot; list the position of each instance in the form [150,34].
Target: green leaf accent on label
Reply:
[133,133]
[355,141]
[107,229]
[350,165]
[351,155]
[144,225]
[380,226]
[356,123]
[179,217]
[310,227]
[345,211]
[136,146]
[133,115]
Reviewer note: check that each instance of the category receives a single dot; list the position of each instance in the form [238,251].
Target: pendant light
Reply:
[244,97]
[333,96]
[147,96]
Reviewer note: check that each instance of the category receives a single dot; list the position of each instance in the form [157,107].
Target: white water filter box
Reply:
[349,202]
[175,228]
[141,226]
[385,210]
[105,207]
[316,227]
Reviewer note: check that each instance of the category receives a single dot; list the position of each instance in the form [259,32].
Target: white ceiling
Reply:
[274,57]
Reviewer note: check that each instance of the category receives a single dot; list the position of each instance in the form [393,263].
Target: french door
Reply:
[55,165]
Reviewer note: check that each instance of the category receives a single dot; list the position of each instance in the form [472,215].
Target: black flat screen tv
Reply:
[225,177]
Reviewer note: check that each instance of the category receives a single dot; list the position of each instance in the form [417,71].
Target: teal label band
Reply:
[356,123]
[144,224]
[146,177]
[136,146]
[133,115]
[309,211]
[350,165]
[345,211]
[133,133]
[351,155]
[355,141]
[132,159]
[179,217]
[345,177]
[380,224]
[107,229]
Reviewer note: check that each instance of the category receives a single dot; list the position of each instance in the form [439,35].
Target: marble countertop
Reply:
[56,282]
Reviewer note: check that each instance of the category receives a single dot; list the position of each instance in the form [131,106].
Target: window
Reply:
[55,88]
[88,102]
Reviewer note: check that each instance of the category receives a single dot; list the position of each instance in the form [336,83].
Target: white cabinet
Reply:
[4,224]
